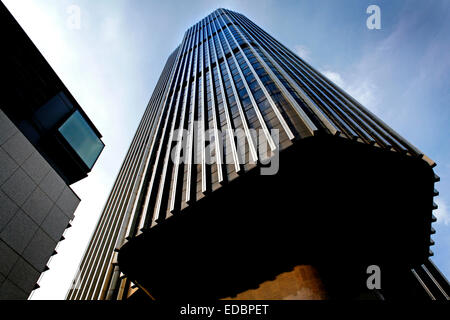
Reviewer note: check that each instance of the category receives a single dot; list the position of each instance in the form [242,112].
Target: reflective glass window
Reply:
[82,138]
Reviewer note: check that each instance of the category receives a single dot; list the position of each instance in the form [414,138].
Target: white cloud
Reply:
[360,88]
[303,52]
[335,77]
[111,27]
[441,212]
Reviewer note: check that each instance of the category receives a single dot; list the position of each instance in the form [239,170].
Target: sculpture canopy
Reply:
[335,203]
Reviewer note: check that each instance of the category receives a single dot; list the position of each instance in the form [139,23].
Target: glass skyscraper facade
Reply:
[228,76]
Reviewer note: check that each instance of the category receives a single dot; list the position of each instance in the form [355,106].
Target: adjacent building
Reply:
[47,143]
[253,176]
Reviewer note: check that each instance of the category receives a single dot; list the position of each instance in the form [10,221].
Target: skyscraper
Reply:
[47,143]
[253,176]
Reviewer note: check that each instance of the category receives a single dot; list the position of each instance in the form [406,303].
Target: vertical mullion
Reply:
[252,148]
[153,151]
[191,129]
[283,123]
[304,97]
[118,210]
[131,213]
[144,221]
[294,63]
[109,218]
[203,124]
[163,179]
[250,94]
[349,124]
[382,138]
[217,143]
[187,95]
[225,104]
[131,226]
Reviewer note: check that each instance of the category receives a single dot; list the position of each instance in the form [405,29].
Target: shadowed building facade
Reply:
[312,191]
[47,143]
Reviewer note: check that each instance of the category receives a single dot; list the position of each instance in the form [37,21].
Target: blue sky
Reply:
[111,65]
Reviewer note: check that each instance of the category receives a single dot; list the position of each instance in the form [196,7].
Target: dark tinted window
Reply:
[53,111]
